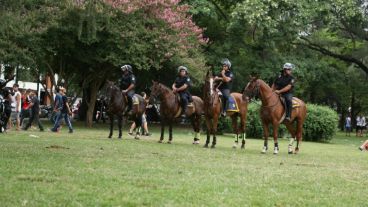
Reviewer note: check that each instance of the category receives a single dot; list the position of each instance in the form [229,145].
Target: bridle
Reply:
[256,92]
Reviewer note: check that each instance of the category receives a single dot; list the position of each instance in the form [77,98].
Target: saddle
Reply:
[231,105]
[135,99]
[190,106]
[295,104]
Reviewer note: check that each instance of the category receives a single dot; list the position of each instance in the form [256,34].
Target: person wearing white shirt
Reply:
[16,105]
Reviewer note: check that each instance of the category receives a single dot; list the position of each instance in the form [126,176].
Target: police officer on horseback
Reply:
[226,77]
[127,85]
[284,85]
[181,86]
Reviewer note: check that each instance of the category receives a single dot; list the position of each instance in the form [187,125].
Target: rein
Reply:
[257,91]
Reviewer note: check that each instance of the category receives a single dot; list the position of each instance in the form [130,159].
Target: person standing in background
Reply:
[35,112]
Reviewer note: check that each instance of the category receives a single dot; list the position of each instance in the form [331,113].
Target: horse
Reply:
[273,112]
[117,104]
[170,109]
[213,109]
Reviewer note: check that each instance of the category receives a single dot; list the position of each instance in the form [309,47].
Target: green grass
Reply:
[87,169]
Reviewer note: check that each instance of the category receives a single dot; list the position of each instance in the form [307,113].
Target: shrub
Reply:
[321,123]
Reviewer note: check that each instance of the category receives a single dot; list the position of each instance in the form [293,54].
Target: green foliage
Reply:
[254,124]
[320,124]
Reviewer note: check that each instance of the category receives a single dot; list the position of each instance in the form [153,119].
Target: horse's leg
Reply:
[170,132]
[120,125]
[209,131]
[138,124]
[299,134]
[196,123]
[162,130]
[111,124]
[235,129]
[265,135]
[275,127]
[215,122]
[242,128]
[291,130]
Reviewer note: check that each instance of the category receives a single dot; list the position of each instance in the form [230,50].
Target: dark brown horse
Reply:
[117,103]
[170,110]
[213,109]
[272,112]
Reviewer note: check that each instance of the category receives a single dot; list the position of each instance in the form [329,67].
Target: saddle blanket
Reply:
[231,105]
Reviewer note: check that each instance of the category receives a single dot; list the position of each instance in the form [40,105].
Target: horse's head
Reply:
[156,90]
[208,88]
[252,89]
[111,90]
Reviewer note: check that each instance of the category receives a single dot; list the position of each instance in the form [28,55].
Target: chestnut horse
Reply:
[116,106]
[170,106]
[272,112]
[213,109]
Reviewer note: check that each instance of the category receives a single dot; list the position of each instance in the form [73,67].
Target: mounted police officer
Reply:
[284,85]
[226,77]
[181,85]
[127,85]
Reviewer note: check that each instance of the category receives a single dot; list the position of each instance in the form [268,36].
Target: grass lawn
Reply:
[87,169]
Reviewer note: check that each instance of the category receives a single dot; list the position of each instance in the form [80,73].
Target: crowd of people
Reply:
[19,105]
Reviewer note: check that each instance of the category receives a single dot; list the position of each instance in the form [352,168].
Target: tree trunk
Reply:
[93,90]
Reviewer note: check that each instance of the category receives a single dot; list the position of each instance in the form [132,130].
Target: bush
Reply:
[321,123]
[319,126]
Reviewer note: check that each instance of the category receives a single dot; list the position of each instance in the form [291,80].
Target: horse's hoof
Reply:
[264,150]
[196,142]
[205,146]
[168,142]
[242,147]
[159,141]
[290,152]
[109,137]
[213,146]
[137,138]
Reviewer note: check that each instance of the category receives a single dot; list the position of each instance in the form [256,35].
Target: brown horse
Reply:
[272,112]
[116,107]
[170,109]
[212,112]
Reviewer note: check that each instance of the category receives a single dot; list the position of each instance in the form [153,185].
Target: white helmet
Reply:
[182,68]
[126,67]
[226,62]
[288,66]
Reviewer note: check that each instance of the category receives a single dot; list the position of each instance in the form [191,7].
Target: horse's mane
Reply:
[262,82]
[165,87]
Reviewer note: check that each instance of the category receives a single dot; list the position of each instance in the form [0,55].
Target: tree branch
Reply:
[220,10]
[345,58]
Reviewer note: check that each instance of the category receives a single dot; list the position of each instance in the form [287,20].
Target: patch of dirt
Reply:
[57,147]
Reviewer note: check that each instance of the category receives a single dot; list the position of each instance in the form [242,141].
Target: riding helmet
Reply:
[180,68]
[127,67]
[288,66]
[226,62]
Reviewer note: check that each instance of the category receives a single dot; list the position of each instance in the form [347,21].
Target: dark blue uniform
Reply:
[225,88]
[124,82]
[185,96]
[281,82]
